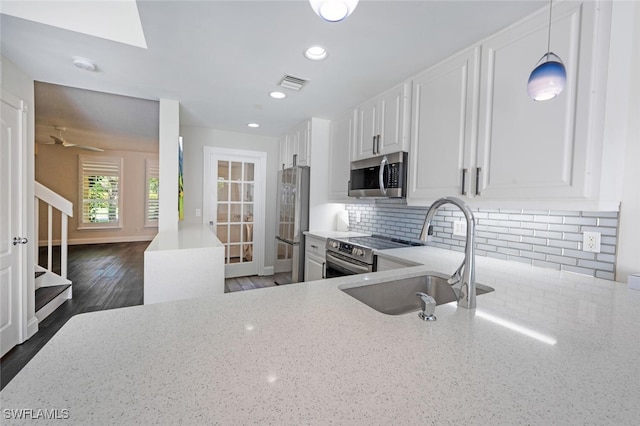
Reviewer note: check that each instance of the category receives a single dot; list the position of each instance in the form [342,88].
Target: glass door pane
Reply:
[235,207]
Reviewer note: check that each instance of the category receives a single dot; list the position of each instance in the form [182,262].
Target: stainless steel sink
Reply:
[399,296]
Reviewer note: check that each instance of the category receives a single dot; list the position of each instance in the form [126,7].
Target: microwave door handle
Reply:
[383,164]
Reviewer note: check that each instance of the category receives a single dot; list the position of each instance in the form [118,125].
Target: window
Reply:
[152,202]
[100,185]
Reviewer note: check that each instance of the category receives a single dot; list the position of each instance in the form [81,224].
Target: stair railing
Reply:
[54,200]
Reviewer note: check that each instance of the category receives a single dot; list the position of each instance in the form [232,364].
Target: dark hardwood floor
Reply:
[104,276]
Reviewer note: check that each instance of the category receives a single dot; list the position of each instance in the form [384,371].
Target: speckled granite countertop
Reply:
[544,348]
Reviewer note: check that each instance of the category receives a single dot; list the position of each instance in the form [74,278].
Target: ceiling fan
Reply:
[59,140]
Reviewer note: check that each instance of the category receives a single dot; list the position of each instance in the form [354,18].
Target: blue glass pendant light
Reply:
[548,78]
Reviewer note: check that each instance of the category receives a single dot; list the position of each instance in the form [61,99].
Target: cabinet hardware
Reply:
[378,144]
[324,270]
[464,183]
[315,247]
[295,160]
[478,181]
[373,144]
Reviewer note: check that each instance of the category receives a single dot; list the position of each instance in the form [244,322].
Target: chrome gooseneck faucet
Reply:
[467,296]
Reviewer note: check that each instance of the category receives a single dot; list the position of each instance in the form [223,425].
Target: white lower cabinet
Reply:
[314,268]
[314,258]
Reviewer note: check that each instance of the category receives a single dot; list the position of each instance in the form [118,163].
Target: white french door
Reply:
[234,192]
[12,248]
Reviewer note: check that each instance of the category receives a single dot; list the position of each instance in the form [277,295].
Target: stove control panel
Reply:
[353,251]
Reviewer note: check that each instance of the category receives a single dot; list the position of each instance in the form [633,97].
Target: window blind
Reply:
[153,194]
[101,180]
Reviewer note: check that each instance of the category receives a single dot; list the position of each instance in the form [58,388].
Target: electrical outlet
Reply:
[591,242]
[198,212]
[357,217]
[460,228]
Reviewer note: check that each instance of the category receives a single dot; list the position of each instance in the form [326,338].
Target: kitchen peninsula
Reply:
[545,347]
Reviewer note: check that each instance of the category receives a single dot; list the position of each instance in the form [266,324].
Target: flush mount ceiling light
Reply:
[333,10]
[548,78]
[315,53]
[84,63]
[253,125]
[278,95]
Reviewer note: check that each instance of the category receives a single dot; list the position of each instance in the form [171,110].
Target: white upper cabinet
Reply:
[383,123]
[529,149]
[339,164]
[294,146]
[478,134]
[301,150]
[444,119]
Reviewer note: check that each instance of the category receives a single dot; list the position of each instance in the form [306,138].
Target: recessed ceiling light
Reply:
[253,125]
[84,63]
[315,53]
[278,95]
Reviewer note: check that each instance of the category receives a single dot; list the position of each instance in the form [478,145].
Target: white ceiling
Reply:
[220,59]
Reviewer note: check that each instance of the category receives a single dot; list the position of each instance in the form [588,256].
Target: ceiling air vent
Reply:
[293,83]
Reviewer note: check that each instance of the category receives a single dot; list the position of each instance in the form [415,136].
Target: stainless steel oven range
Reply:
[350,256]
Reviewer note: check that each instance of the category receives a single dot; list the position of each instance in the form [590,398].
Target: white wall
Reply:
[322,214]
[195,139]
[169,134]
[19,84]
[629,229]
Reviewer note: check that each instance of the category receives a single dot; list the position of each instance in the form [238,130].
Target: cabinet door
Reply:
[292,148]
[282,163]
[366,130]
[303,139]
[445,99]
[339,163]
[531,149]
[313,268]
[393,119]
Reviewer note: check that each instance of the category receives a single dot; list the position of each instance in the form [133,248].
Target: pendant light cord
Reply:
[549,35]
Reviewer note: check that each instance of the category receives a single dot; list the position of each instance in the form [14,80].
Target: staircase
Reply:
[52,290]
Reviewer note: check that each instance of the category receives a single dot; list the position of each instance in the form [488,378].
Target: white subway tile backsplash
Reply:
[549,239]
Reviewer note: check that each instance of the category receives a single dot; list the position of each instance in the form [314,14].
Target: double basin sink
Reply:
[398,297]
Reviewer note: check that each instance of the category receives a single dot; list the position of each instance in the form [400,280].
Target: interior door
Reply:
[236,209]
[11,255]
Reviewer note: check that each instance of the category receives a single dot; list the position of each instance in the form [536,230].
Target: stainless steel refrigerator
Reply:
[293,220]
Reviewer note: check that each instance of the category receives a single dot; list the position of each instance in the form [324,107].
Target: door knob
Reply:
[18,240]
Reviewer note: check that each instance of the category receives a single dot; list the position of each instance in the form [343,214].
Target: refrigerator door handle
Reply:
[290,242]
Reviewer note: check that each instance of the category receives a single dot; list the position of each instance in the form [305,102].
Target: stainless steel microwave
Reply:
[380,177]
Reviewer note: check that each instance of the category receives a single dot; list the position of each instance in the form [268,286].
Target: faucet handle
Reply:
[428,307]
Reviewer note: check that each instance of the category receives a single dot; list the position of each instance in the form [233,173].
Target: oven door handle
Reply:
[357,269]
[383,164]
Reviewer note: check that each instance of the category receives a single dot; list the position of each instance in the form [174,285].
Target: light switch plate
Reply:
[591,242]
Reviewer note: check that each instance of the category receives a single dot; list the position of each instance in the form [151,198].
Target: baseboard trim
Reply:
[32,327]
[81,241]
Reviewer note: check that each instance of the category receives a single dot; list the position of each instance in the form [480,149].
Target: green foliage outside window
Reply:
[100,200]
